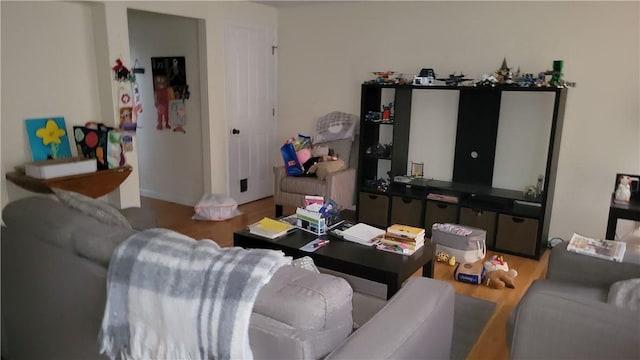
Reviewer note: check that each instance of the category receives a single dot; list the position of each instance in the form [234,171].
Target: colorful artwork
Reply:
[169,84]
[48,138]
[92,142]
[177,115]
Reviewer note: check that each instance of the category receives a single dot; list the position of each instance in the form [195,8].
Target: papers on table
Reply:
[603,249]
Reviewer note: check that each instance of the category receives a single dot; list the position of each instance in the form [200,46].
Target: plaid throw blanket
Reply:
[172,297]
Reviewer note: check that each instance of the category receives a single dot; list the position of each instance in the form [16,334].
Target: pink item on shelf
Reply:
[303,155]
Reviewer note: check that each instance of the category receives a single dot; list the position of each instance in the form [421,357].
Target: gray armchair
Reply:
[568,316]
[338,186]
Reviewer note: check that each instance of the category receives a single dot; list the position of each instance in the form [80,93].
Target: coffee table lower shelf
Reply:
[347,257]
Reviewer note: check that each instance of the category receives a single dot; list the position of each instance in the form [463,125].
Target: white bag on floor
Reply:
[216,207]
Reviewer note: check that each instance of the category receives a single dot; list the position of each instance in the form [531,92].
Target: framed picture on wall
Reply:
[48,138]
[172,68]
[417,169]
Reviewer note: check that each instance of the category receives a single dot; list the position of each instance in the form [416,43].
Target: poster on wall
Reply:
[48,138]
[129,103]
[169,87]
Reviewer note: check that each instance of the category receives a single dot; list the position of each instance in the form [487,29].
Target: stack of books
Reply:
[402,239]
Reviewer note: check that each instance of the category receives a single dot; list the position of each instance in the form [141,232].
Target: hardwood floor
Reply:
[490,345]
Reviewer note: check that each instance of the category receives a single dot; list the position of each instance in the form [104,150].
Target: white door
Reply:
[250,69]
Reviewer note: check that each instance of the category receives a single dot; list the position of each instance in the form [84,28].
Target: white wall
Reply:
[326,50]
[56,59]
[170,163]
[49,69]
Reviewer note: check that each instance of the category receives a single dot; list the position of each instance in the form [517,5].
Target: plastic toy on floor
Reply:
[499,279]
[496,262]
[442,256]
[497,273]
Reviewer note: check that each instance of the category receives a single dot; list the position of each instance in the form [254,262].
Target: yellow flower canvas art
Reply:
[48,138]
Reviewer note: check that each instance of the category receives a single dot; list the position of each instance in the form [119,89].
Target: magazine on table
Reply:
[338,229]
[363,234]
[603,249]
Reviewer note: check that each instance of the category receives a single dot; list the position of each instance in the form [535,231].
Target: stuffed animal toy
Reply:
[497,273]
[442,256]
[326,165]
[496,262]
[499,279]
[623,191]
[452,261]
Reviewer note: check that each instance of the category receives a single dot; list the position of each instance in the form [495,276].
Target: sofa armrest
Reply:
[416,322]
[587,270]
[341,186]
[279,172]
[552,326]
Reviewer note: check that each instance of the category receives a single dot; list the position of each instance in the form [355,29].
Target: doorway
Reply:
[170,162]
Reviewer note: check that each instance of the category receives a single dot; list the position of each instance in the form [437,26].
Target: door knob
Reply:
[235,131]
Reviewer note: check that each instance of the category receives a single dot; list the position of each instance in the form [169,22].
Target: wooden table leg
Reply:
[427,269]
[611,226]
[392,288]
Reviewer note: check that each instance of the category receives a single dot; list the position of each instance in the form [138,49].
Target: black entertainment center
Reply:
[516,223]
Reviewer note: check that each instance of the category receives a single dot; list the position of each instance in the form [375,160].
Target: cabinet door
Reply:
[373,209]
[517,234]
[439,212]
[476,136]
[406,211]
[481,219]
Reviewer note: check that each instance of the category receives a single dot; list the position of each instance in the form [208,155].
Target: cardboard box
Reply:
[49,169]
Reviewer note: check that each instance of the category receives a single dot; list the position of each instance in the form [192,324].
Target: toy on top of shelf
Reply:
[403,79]
[454,80]
[382,77]
[623,191]
[427,77]
[504,76]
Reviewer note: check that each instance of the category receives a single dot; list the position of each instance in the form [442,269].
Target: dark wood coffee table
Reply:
[348,257]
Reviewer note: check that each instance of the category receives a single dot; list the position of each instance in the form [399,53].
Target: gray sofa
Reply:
[567,315]
[54,267]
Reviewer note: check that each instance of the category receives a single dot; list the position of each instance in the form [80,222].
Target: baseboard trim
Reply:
[165,197]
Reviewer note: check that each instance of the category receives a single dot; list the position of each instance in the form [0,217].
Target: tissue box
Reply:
[48,169]
[311,221]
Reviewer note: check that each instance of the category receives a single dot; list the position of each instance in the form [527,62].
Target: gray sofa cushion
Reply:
[97,241]
[98,209]
[44,218]
[317,306]
[570,290]
[304,299]
[57,224]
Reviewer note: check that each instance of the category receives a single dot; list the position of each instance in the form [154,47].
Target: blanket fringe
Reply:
[146,344]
